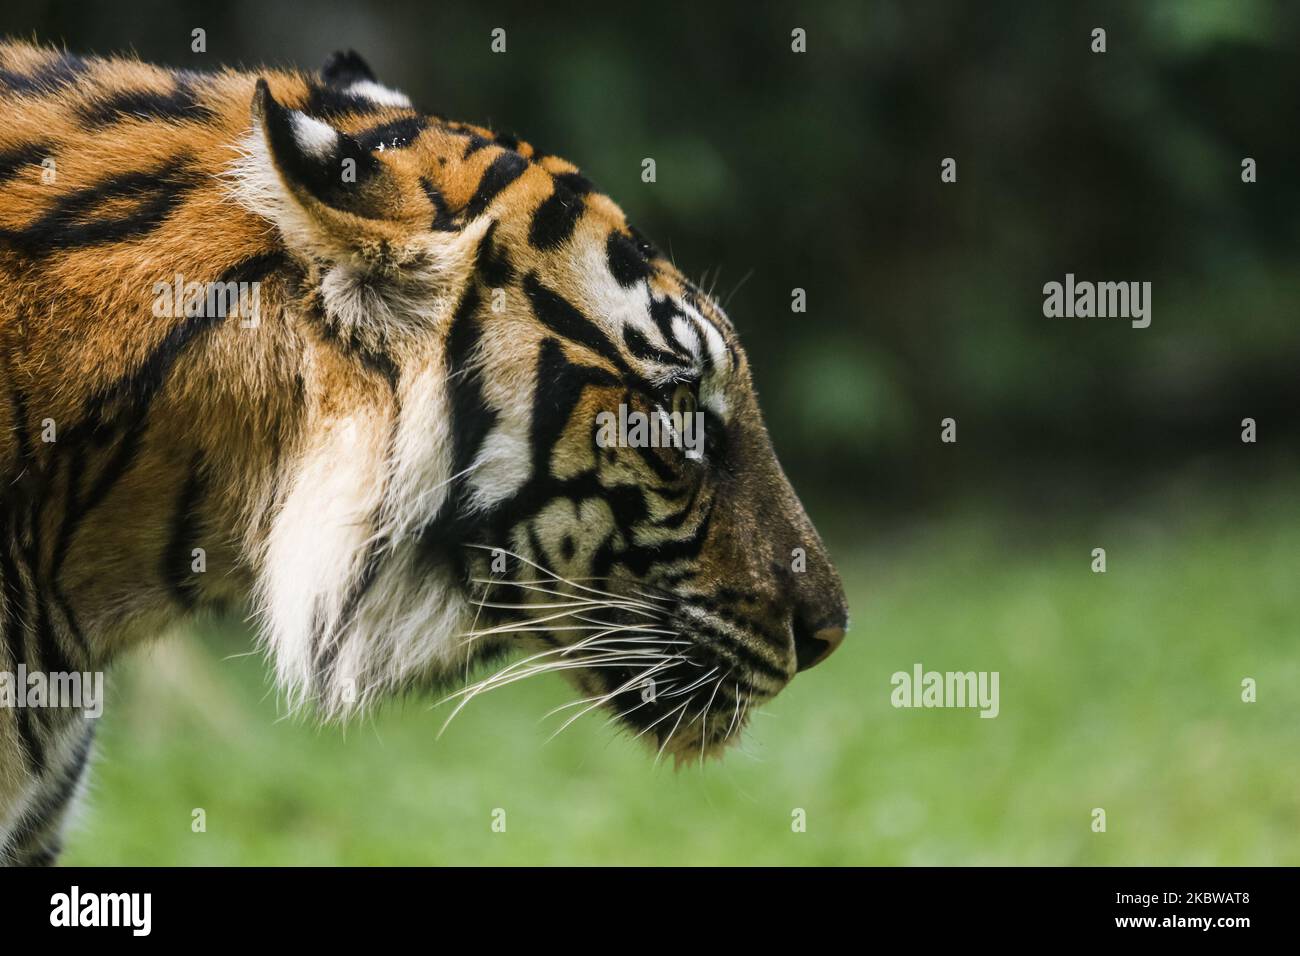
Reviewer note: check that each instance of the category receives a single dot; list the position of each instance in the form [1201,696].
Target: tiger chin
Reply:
[281,341]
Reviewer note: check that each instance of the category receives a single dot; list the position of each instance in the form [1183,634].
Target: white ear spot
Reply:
[378,93]
[317,139]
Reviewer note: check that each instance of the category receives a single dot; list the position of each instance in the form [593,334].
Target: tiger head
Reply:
[567,456]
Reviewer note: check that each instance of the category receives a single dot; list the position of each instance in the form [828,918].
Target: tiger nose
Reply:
[812,645]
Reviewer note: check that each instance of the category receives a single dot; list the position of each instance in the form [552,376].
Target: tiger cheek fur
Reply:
[392,458]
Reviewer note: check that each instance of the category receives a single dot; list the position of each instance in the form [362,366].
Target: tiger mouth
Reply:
[646,660]
[679,696]
[690,709]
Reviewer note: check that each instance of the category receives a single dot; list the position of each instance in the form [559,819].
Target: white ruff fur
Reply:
[351,504]
[359,485]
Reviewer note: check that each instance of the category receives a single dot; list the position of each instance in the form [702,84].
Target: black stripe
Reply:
[503,171]
[746,623]
[77,507]
[722,641]
[564,319]
[626,263]
[50,655]
[663,311]
[560,387]
[11,589]
[575,182]
[117,421]
[472,417]
[375,359]
[34,614]
[178,104]
[74,221]
[443,221]
[14,161]
[12,625]
[51,804]
[392,135]
[639,559]
[177,560]
[651,456]
[706,354]
[476,142]
[256,268]
[137,390]
[640,346]
[555,219]
[46,78]
[560,384]
[676,519]
[644,245]
[492,262]
[22,440]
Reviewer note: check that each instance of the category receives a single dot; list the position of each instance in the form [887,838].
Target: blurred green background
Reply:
[821,171]
[1119,691]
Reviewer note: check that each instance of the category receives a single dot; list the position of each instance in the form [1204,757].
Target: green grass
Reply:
[1119,691]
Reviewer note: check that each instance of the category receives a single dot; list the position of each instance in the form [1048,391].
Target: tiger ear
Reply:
[331,197]
[348,73]
[363,220]
[345,67]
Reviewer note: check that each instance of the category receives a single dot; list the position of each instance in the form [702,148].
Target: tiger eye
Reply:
[683,401]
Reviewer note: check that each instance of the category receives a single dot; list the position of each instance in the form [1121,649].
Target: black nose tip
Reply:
[813,644]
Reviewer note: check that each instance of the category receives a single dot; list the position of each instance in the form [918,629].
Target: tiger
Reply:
[387,452]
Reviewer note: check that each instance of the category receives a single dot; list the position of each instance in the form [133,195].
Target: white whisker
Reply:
[687,690]
[671,734]
[547,571]
[538,586]
[735,715]
[661,718]
[704,714]
[644,675]
[614,660]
